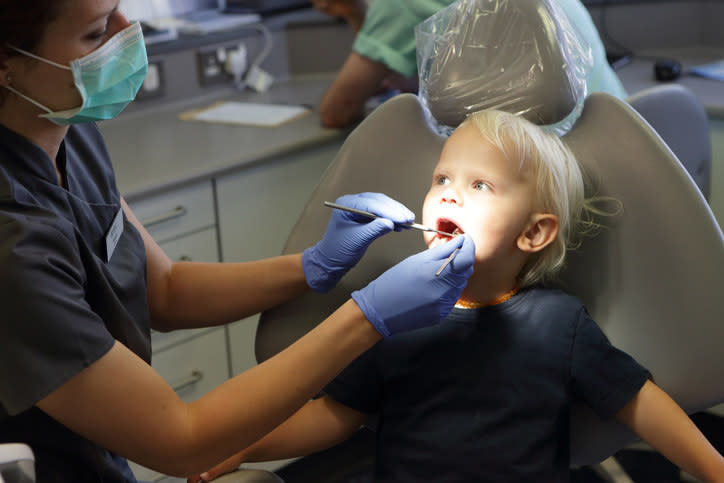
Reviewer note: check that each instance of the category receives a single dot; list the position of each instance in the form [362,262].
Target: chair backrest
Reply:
[680,119]
[517,45]
[392,151]
[652,279]
[455,44]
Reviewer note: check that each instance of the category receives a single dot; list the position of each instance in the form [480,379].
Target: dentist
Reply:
[82,282]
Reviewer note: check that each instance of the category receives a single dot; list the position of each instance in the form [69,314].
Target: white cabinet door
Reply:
[259,205]
[257,208]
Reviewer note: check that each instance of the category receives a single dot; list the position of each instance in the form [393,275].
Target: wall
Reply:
[645,25]
[295,50]
[145,9]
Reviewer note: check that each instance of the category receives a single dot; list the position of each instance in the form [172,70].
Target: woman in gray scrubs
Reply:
[82,282]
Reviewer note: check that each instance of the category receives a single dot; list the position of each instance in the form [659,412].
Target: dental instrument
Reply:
[447,262]
[415,226]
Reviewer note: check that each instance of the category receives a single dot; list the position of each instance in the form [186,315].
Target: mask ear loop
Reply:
[9,80]
[37,57]
[20,94]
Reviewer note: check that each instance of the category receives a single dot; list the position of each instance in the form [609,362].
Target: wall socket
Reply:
[153,85]
[214,64]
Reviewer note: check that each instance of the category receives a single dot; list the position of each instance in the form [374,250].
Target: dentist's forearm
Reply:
[207,294]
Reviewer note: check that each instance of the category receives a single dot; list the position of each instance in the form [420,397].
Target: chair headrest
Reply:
[520,56]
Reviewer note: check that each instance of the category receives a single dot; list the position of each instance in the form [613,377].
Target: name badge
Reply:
[114,234]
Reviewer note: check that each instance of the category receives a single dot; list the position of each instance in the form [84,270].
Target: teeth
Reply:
[457,232]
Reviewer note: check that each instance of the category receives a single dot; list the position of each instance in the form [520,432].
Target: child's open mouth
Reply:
[448,226]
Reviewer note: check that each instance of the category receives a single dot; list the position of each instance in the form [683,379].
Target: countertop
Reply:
[154,150]
[639,75]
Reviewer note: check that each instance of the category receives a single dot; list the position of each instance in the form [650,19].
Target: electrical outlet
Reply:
[211,68]
[213,64]
[153,84]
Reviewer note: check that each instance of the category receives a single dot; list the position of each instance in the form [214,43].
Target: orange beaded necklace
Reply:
[463,304]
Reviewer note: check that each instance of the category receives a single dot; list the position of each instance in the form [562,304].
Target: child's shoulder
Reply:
[551,299]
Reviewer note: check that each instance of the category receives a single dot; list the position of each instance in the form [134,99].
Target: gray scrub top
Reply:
[64,301]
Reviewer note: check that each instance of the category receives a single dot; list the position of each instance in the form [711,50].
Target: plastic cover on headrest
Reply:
[519,56]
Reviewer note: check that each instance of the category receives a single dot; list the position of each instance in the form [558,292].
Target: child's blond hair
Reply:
[558,177]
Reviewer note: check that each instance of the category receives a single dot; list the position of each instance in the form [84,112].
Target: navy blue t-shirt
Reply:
[486,395]
[64,302]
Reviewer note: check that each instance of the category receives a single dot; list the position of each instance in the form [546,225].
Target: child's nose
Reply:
[450,196]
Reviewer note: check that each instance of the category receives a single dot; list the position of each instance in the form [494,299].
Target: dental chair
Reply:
[652,279]
[680,119]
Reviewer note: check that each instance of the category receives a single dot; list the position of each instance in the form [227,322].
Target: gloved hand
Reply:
[410,296]
[348,235]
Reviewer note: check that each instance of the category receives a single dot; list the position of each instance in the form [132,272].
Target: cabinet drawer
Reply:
[197,247]
[195,367]
[192,369]
[170,215]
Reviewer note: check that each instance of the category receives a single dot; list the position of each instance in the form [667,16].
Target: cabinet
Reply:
[183,223]
[192,361]
[258,207]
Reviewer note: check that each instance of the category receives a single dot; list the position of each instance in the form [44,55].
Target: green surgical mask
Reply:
[108,78]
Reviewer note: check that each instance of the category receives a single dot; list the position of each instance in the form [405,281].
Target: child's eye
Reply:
[442,180]
[481,186]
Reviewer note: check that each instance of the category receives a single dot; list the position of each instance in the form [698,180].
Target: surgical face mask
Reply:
[108,78]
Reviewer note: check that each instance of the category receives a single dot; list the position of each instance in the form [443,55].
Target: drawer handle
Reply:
[195,377]
[177,212]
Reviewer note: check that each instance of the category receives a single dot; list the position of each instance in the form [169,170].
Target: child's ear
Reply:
[540,232]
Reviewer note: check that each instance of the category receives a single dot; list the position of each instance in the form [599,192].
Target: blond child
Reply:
[486,395]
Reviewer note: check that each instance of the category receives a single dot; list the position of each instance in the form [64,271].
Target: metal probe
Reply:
[415,226]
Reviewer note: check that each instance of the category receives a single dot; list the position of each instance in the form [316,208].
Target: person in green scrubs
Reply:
[383,55]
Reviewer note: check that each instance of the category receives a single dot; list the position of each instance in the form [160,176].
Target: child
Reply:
[485,396]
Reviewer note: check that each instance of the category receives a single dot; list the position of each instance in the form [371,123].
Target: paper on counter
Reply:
[247,114]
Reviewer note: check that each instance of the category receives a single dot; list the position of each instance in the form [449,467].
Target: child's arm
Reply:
[659,421]
[318,425]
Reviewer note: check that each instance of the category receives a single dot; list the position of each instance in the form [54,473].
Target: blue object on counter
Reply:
[713,70]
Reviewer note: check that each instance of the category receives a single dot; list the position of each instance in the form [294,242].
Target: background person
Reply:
[383,55]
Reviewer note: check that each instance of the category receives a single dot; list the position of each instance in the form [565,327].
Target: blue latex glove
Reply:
[348,235]
[410,296]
